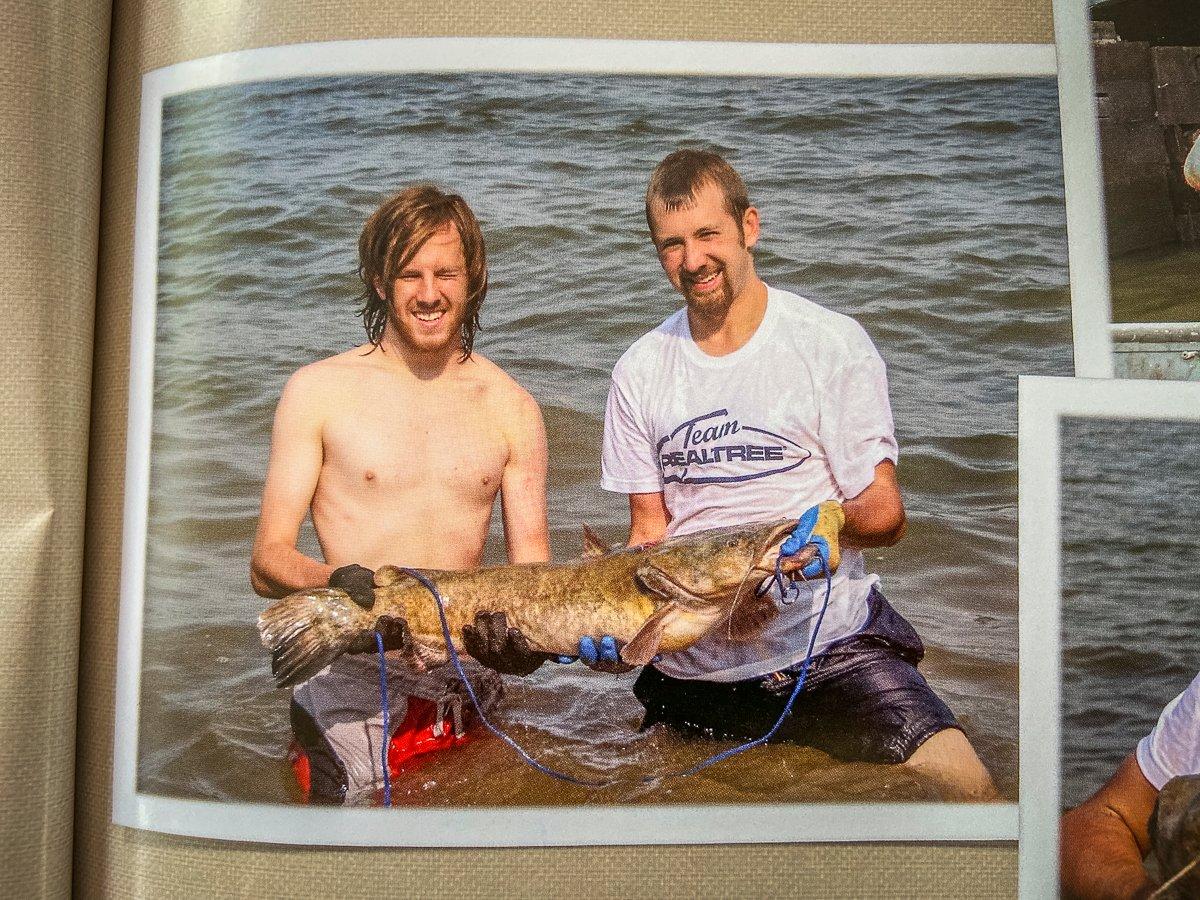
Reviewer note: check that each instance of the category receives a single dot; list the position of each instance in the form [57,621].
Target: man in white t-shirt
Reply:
[1105,838]
[752,404]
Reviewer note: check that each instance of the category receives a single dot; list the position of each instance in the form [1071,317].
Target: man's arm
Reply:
[875,518]
[648,518]
[523,485]
[527,536]
[1104,839]
[276,567]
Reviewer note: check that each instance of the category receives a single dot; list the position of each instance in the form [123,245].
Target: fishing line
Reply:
[787,594]
[801,677]
[524,754]
[1178,876]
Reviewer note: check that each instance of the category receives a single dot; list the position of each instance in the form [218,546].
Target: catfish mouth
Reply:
[774,543]
[764,564]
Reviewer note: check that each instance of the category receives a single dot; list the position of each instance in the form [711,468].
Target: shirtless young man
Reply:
[398,447]
[753,404]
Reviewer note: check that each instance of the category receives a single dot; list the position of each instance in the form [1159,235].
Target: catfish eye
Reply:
[732,542]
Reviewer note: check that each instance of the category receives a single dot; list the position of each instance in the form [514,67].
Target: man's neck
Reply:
[424,365]
[730,329]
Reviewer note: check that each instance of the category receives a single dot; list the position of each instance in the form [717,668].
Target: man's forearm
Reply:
[278,571]
[875,518]
[1100,858]
[866,526]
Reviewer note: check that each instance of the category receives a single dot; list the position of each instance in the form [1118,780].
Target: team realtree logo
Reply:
[714,448]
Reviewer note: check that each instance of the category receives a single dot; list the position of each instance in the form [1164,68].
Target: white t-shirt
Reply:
[796,416]
[1172,748]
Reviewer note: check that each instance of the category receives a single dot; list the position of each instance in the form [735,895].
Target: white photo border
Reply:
[1087,231]
[1043,402]
[281,823]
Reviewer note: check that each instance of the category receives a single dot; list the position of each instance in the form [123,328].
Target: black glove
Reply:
[499,647]
[394,632]
[357,581]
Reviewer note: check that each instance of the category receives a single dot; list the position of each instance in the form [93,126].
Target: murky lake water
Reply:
[1161,286]
[931,211]
[1130,566]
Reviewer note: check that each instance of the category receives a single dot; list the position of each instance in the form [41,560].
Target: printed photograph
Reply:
[1131,663]
[1146,55]
[684,406]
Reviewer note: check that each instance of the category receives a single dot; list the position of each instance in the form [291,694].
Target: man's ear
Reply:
[377,284]
[750,226]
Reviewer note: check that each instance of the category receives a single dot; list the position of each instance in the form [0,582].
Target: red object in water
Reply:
[413,739]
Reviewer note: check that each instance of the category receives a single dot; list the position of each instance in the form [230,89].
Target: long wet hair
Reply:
[395,233]
[677,178]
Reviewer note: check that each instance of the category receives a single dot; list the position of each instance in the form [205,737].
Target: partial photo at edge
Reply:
[1127,458]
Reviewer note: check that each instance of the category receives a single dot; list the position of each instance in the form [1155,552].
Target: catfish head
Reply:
[713,567]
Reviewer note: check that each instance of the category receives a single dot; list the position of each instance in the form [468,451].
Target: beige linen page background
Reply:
[124,862]
[52,84]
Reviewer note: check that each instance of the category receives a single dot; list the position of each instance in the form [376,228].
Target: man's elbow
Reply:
[882,532]
[893,534]
[261,587]
[260,581]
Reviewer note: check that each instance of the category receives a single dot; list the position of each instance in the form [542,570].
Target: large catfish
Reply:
[1175,837]
[656,599]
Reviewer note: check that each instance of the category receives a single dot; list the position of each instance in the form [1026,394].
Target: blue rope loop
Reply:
[789,591]
[801,678]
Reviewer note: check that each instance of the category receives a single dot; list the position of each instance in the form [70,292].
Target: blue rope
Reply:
[429,586]
[387,736]
[787,594]
[800,678]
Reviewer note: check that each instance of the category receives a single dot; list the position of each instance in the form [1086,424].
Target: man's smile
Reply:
[703,281]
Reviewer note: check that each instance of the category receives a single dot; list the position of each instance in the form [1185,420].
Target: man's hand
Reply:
[820,525]
[604,656]
[495,645]
[358,582]
[394,632]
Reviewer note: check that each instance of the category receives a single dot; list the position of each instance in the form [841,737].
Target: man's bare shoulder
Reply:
[332,371]
[317,387]
[501,391]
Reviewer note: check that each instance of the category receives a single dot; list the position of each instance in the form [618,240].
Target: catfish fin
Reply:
[593,546]
[308,630]
[750,616]
[644,645]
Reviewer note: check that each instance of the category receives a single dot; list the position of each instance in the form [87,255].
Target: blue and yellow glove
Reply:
[820,525]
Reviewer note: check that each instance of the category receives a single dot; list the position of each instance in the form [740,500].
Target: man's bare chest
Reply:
[444,442]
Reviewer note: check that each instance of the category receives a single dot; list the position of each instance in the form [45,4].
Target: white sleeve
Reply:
[856,430]
[1173,746]
[628,458]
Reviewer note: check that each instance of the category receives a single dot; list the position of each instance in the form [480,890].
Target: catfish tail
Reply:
[308,630]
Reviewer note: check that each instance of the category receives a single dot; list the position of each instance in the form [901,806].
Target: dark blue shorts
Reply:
[863,701]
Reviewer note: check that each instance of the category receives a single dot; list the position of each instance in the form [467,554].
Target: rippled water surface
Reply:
[931,211]
[1131,563]
[1156,287]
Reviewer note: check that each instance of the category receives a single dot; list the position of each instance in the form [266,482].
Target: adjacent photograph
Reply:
[1111,674]
[1146,56]
[511,442]
[1131,662]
